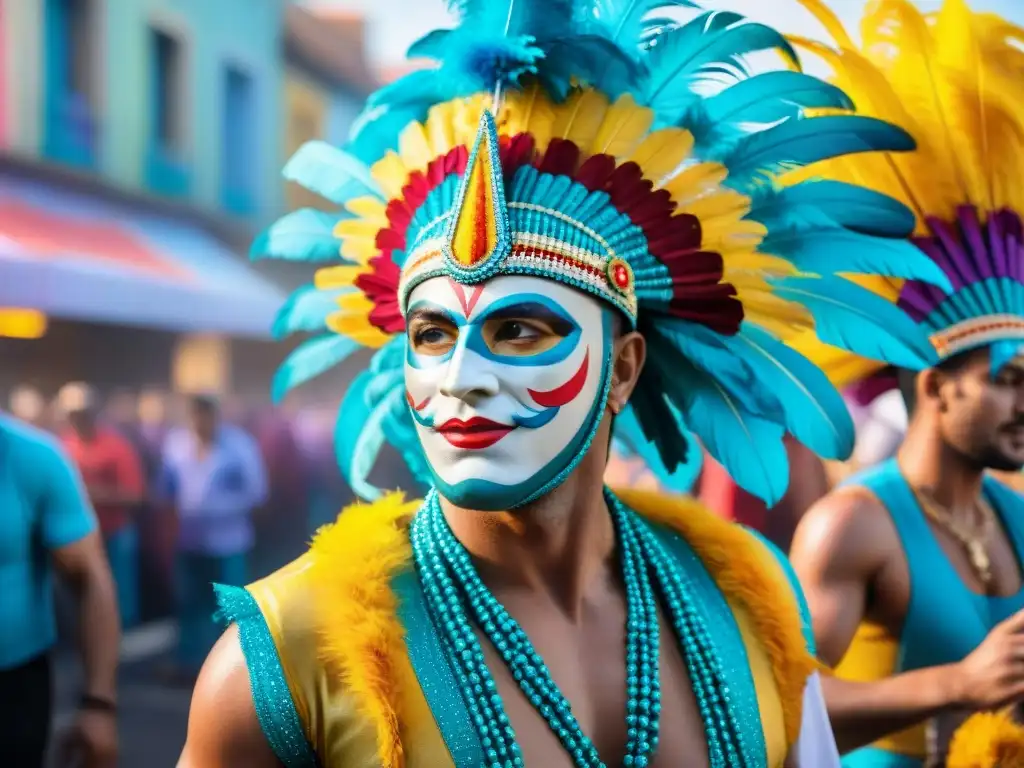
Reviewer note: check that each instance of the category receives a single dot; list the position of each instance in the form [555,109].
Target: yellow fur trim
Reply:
[987,740]
[748,573]
[353,563]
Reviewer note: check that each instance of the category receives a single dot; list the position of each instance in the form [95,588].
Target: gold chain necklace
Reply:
[972,538]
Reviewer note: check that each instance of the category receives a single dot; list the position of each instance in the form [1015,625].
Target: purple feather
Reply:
[968,253]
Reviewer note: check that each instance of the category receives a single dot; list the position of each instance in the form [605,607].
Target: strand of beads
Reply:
[432,537]
[700,654]
[462,648]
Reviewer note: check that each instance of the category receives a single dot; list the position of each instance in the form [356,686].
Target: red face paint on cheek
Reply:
[564,393]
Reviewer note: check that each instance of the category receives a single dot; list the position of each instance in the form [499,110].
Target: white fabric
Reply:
[816,745]
[882,429]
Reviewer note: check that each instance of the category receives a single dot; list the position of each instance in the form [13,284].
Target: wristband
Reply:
[97,704]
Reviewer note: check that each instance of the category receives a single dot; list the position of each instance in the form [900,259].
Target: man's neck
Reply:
[560,546]
[929,464]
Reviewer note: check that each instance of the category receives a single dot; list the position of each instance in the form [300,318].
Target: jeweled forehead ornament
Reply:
[485,235]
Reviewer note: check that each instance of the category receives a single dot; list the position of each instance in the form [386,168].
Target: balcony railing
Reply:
[71,131]
[167,173]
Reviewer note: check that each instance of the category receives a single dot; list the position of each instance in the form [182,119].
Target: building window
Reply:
[72,56]
[166,167]
[238,150]
[168,125]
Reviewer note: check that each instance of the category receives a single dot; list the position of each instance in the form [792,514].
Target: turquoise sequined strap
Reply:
[435,675]
[806,625]
[271,697]
[729,645]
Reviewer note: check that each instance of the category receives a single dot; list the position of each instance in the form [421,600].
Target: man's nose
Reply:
[468,376]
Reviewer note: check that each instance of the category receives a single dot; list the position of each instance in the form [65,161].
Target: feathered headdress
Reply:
[952,79]
[630,157]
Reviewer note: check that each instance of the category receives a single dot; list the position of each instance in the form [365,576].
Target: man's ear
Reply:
[629,354]
[929,385]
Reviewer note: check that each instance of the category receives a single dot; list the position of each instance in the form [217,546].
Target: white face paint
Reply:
[506,381]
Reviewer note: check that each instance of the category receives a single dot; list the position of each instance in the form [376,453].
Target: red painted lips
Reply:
[475,434]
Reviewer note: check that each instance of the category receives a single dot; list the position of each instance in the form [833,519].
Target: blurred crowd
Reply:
[192,490]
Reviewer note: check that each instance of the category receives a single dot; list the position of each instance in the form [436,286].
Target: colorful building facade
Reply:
[179,98]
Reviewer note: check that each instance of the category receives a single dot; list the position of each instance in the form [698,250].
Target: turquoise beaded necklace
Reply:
[457,598]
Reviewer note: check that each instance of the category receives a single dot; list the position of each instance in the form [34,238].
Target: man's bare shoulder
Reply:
[849,528]
[223,729]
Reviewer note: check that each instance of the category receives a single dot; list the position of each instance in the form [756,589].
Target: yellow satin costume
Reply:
[341,650]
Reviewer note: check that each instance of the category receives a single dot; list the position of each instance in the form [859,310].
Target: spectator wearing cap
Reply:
[114,479]
[214,477]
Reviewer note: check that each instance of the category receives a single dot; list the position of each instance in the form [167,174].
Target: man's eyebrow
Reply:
[430,315]
[560,323]
[528,310]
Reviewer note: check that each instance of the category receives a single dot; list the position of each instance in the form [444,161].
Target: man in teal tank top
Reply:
[912,569]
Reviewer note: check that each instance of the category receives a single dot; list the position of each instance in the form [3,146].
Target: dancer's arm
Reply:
[839,551]
[223,729]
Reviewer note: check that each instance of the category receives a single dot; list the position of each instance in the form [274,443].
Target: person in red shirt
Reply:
[112,471]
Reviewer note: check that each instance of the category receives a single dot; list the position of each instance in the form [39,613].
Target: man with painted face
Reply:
[539,249]
[912,568]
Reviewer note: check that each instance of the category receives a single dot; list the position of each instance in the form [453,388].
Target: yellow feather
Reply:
[580,117]
[466,119]
[529,111]
[785,319]
[440,135]
[391,174]
[352,321]
[696,181]
[367,207]
[828,19]
[330,278]
[623,128]
[358,239]
[748,266]
[414,147]
[723,203]
[662,152]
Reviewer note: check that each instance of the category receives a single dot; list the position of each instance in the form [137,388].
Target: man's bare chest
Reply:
[590,671]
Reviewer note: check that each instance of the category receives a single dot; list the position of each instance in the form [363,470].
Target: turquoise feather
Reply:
[815,413]
[303,235]
[679,54]
[749,447]
[795,143]
[368,444]
[331,173]
[841,204]
[352,416]
[624,22]
[632,441]
[306,310]
[829,250]
[311,359]
[772,96]
[860,321]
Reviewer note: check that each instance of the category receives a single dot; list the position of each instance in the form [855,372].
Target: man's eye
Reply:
[513,330]
[431,336]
